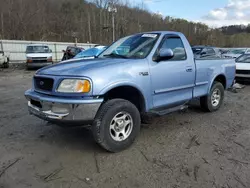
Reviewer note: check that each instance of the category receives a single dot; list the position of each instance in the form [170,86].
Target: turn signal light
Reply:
[83,86]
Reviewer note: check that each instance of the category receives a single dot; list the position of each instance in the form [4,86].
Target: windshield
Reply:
[135,47]
[237,51]
[197,50]
[243,59]
[89,52]
[37,49]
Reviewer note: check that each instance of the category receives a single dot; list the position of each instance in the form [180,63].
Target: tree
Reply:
[90,21]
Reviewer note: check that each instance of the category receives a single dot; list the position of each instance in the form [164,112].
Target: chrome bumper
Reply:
[242,75]
[61,110]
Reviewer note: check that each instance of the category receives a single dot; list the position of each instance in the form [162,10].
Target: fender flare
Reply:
[213,80]
[124,84]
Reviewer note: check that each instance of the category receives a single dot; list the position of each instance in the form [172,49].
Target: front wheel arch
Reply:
[122,91]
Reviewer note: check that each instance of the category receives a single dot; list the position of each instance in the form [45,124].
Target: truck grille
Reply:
[39,59]
[242,71]
[42,83]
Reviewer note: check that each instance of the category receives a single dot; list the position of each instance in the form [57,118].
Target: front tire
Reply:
[214,99]
[116,125]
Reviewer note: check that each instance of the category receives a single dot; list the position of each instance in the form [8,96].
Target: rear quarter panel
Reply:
[208,69]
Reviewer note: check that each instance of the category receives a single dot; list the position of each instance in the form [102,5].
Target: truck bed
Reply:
[207,69]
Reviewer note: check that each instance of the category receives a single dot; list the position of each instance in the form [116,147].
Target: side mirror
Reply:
[50,51]
[203,53]
[63,51]
[164,54]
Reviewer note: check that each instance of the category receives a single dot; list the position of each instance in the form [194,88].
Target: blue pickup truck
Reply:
[144,74]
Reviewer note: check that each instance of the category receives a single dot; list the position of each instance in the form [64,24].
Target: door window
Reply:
[210,51]
[175,44]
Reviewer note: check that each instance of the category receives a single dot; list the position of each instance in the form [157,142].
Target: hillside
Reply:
[235,29]
[63,20]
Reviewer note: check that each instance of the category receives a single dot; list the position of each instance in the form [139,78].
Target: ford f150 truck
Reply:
[138,75]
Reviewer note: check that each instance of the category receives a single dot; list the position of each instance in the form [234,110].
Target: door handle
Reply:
[189,69]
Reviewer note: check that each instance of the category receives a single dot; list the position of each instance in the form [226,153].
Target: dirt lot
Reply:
[188,149]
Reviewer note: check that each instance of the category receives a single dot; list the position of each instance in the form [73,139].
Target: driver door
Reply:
[172,80]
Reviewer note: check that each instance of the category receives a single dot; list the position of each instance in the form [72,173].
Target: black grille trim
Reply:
[242,71]
[39,58]
[40,61]
[44,84]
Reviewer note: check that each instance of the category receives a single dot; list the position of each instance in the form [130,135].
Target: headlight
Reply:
[74,86]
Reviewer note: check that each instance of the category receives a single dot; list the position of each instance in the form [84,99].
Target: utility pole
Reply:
[89,28]
[113,25]
[113,10]
[2,25]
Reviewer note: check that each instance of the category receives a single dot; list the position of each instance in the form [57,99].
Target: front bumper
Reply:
[242,76]
[60,110]
[38,64]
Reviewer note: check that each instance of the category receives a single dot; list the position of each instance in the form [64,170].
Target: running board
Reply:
[169,110]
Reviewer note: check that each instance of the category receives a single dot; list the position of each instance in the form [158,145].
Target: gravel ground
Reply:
[187,149]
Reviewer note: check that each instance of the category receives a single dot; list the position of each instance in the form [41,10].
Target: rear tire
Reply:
[214,99]
[116,125]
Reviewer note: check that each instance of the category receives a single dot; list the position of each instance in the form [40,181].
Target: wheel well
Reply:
[222,80]
[129,93]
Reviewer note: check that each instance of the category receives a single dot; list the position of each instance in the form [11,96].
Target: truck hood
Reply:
[78,67]
[39,55]
[242,66]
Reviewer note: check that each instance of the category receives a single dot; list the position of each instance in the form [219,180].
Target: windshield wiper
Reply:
[115,55]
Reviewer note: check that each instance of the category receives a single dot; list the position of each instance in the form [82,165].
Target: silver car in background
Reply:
[206,52]
[236,52]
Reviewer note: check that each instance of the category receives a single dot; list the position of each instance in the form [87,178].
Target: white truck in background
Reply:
[38,55]
[4,59]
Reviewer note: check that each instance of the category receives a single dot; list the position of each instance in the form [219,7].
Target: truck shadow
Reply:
[80,138]
[74,138]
